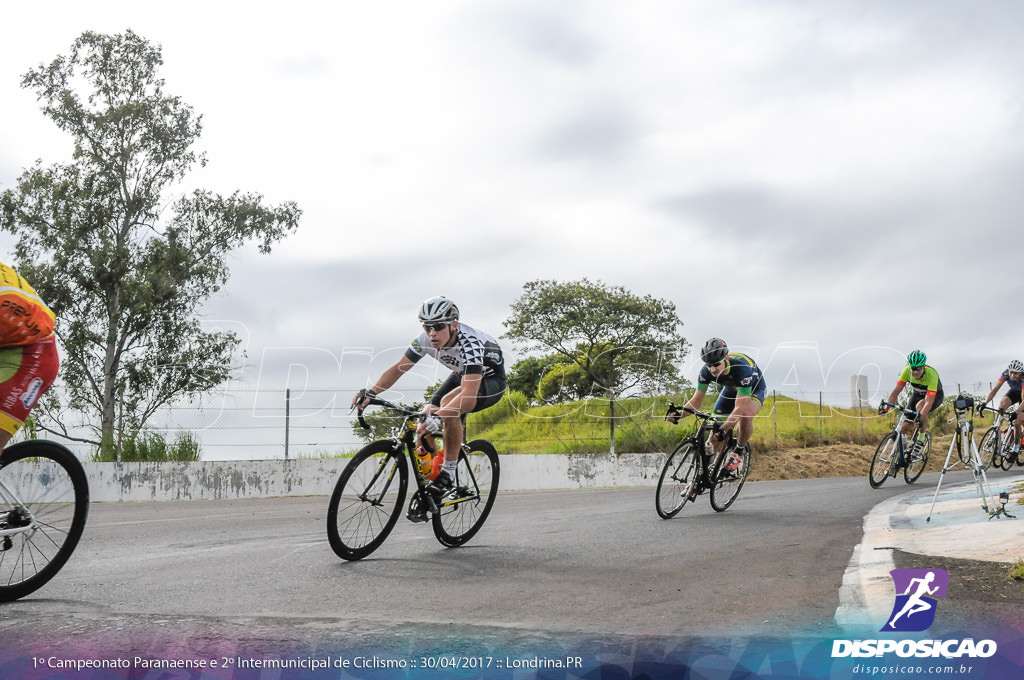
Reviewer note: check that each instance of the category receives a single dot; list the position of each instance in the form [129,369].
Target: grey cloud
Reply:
[598,133]
[547,34]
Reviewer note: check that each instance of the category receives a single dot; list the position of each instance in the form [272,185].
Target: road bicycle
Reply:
[44,501]
[370,493]
[893,454]
[997,443]
[694,467]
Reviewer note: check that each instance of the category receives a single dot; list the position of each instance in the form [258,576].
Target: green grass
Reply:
[1016,570]
[578,427]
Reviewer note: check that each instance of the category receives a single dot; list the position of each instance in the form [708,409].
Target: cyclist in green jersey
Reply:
[927,390]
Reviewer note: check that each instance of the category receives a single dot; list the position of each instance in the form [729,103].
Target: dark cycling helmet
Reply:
[916,359]
[437,310]
[1015,367]
[714,351]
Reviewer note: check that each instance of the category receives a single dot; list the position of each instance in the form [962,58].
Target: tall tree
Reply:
[622,342]
[124,279]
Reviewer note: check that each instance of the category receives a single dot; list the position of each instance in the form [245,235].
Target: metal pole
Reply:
[821,422]
[860,414]
[775,415]
[287,418]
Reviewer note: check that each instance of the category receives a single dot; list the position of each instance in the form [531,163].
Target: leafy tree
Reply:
[527,374]
[124,278]
[622,343]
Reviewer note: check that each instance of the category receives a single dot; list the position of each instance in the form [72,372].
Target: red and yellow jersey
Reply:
[24,318]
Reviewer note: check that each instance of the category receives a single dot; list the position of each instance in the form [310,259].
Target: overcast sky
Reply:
[825,185]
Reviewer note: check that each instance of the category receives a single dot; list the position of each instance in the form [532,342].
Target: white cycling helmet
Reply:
[437,310]
[1015,367]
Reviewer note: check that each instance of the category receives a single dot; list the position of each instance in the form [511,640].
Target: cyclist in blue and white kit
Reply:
[741,398]
[1013,376]
[477,380]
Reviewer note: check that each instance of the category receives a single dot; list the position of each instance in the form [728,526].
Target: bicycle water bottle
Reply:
[424,461]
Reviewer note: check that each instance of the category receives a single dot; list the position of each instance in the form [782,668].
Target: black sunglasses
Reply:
[439,326]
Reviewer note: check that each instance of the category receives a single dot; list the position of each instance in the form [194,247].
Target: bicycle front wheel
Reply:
[367,500]
[678,477]
[884,461]
[1006,446]
[918,461]
[991,447]
[463,510]
[728,484]
[48,498]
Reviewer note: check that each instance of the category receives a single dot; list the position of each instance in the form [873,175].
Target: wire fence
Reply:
[242,424]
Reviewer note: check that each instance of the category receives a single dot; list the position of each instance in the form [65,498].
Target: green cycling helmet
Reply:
[916,359]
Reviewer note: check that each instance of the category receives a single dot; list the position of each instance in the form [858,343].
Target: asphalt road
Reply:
[567,562]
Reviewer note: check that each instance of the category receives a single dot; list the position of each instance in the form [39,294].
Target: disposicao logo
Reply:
[912,612]
[915,606]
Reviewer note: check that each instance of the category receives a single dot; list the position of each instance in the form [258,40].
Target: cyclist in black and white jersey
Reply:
[477,380]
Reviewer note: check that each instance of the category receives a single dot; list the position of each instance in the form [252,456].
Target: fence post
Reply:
[287,418]
[821,422]
[775,415]
[860,414]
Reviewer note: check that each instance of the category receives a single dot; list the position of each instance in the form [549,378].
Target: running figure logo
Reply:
[914,609]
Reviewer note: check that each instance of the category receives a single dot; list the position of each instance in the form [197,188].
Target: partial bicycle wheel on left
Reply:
[44,502]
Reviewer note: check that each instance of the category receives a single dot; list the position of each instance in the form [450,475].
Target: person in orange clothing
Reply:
[28,351]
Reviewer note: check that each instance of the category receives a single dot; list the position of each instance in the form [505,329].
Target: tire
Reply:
[464,509]
[727,486]
[678,477]
[991,448]
[884,461]
[915,468]
[51,485]
[1006,448]
[367,500]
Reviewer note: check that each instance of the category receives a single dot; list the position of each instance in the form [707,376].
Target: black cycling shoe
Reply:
[441,485]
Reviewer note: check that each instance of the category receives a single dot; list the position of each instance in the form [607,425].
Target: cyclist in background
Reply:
[926,394]
[740,400]
[477,380]
[28,351]
[1012,376]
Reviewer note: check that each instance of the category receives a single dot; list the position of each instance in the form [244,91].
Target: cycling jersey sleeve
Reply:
[24,318]
[415,351]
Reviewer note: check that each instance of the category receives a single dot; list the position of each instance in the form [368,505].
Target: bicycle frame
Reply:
[405,446]
[709,459]
[897,427]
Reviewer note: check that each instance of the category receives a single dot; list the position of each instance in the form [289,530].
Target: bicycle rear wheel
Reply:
[991,447]
[884,461]
[463,509]
[52,503]
[727,485]
[678,477]
[367,500]
[918,461]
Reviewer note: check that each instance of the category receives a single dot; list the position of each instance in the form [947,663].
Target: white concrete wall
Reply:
[206,480]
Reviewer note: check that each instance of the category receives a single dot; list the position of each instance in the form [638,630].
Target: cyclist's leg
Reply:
[1018,422]
[441,401]
[912,404]
[452,407]
[748,410]
[724,406]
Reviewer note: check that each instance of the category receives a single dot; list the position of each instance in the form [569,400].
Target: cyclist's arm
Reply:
[900,384]
[926,405]
[388,378]
[992,394]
